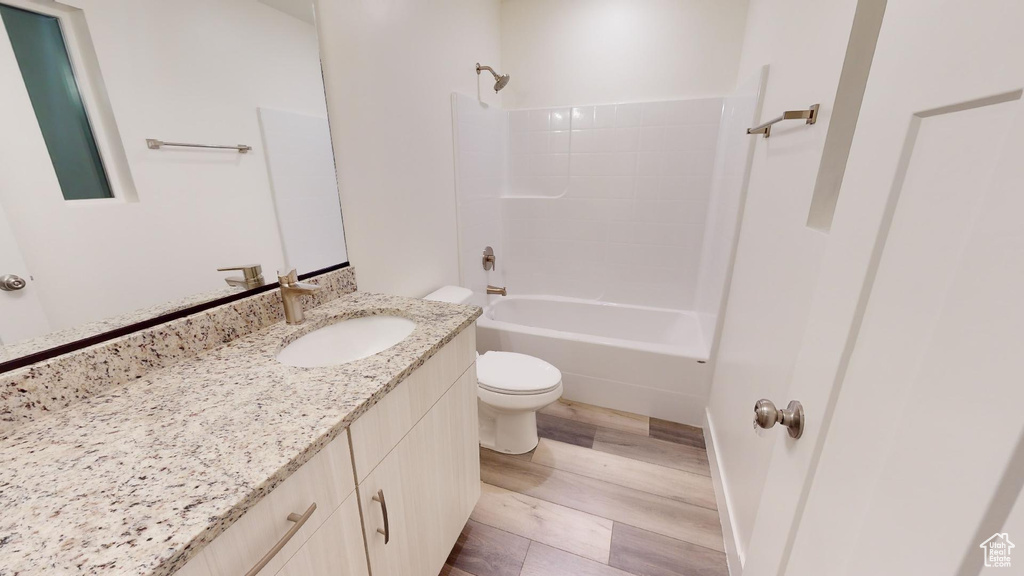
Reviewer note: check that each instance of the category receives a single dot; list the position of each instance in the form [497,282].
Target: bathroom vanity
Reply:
[232,463]
[403,479]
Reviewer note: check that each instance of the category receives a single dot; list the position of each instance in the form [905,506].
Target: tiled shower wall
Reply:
[610,202]
[600,202]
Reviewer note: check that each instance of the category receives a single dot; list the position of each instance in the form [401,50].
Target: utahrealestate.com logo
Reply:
[997,550]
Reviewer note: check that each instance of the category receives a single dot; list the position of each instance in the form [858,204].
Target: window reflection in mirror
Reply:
[107,231]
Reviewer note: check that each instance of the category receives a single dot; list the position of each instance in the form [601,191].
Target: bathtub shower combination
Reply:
[631,358]
[613,229]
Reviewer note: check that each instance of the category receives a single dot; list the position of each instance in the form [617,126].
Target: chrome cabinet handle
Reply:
[384,508]
[299,521]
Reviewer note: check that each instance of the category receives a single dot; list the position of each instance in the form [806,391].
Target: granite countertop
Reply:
[80,332]
[138,479]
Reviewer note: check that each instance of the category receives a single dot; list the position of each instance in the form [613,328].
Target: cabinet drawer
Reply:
[377,432]
[336,549]
[325,480]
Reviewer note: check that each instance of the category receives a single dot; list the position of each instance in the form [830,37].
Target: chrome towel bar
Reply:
[155,144]
[811,115]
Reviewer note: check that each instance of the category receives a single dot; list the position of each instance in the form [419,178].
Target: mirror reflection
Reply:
[156,155]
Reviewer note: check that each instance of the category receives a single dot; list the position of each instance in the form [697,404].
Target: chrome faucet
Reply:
[252,276]
[291,293]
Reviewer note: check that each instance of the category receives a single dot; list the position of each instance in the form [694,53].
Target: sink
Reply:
[346,341]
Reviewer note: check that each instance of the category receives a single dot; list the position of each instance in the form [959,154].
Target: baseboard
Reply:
[732,548]
[641,400]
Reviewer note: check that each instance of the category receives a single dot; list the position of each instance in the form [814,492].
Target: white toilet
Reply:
[511,389]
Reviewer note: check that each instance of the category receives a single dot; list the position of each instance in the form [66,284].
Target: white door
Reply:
[912,364]
[21,313]
[25,172]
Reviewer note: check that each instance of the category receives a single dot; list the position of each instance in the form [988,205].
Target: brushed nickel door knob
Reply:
[766,415]
[11,283]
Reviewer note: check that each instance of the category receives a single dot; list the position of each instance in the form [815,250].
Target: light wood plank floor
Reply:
[605,493]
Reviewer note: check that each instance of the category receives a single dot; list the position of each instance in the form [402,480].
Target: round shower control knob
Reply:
[11,282]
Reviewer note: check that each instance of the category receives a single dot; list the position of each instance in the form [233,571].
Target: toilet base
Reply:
[511,426]
[507,433]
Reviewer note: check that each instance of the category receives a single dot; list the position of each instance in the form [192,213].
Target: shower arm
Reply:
[488,68]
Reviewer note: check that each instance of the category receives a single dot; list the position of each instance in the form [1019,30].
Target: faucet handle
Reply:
[489,260]
[251,273]
[289,278]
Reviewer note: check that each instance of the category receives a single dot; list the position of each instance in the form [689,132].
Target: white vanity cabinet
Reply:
[399,486]
[308,525]
[417,463]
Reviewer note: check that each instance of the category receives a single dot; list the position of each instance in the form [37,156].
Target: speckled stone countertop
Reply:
[74,333]
[138,479]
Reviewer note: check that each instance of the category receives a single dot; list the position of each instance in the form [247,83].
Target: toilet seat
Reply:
[516,374]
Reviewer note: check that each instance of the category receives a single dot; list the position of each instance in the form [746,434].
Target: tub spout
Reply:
[495,290]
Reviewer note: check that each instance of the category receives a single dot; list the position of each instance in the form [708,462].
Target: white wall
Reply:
[390,69]
[565,52]
[778,257]
[192,71]
[300,165]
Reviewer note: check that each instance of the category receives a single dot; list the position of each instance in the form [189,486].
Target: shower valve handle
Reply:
[489,260]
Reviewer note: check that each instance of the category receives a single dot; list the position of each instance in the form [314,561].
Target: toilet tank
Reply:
[451,294]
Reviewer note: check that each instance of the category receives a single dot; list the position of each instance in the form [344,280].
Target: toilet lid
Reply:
[511,373]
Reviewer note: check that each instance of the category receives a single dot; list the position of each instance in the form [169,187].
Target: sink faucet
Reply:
[252,276]
[291,293]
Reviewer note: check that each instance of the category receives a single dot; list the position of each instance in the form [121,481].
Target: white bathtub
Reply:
[648,361]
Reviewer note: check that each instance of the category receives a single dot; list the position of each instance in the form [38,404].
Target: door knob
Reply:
[767,415]
[11,282]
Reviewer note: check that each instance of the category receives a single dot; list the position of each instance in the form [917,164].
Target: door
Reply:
[21,312]
[911,365]
[26,172]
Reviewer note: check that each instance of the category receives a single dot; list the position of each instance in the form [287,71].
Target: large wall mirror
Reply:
[146,144]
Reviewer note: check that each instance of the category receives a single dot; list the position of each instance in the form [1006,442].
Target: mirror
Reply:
[147,144]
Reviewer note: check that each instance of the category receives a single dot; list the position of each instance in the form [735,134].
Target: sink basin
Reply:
[346,341]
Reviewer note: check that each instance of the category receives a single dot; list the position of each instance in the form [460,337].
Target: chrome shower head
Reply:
[500,81]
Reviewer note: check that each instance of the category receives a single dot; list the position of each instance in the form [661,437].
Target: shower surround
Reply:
[623,187]
[613,228]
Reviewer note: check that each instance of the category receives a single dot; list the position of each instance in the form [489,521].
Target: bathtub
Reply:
[648,361]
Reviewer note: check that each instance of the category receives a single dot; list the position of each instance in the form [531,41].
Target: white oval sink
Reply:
[346,341]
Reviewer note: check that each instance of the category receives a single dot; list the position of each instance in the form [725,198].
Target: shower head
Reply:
[500,81]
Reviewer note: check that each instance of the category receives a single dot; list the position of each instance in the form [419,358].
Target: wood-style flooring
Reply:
[605,493]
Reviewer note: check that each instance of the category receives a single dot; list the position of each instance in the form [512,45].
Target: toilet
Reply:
[511,388]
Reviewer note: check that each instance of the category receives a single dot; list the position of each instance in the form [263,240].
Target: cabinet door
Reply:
[384,425]
[336,549]
[429,482]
